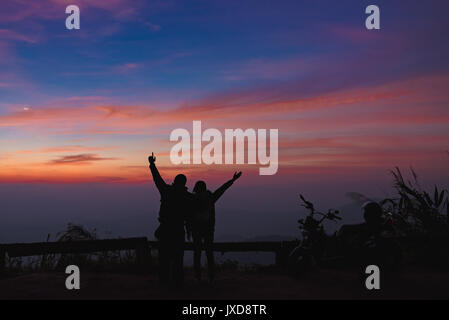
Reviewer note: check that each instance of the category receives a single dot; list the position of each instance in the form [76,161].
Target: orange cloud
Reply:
[63,149]
[398,123]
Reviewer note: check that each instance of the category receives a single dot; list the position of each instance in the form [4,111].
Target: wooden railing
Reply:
[141,246]
[280,248]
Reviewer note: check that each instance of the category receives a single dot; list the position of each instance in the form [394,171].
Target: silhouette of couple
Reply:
[183,212]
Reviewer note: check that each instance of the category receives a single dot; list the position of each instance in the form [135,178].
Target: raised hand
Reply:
[236,175]
[152,158]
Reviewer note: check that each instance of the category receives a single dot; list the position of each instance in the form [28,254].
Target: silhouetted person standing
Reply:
[203,223]
[176,205]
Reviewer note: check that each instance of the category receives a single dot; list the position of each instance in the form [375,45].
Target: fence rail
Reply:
[141,246]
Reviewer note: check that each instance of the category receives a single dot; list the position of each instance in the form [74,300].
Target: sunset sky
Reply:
[82,109]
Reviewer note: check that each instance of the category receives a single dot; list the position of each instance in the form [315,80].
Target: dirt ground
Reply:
[268,284]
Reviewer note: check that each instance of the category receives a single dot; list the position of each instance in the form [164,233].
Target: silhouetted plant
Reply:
[45,262]
[76,232]
[416,211]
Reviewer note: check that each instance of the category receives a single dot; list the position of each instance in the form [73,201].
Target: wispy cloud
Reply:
[127,67]
[18,10]
[153,27]
[270,69]
[371,127]
[79,159]
[63,149]
[6,34]
[377,102]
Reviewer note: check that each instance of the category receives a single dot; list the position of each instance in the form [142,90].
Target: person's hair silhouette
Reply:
[200,186]
[202,224]
[372,213]
[176,206]
[180,180]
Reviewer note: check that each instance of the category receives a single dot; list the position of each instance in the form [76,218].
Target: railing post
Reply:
[282,254]
[277,259]
[281,257]
[2,259]
[143,255]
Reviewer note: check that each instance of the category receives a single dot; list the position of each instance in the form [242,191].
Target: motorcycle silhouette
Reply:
[314,241]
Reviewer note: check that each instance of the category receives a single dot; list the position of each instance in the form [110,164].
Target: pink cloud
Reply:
[127,67]
[353,34]
[265,69]
[64,149]
[153,27]
[314,111]
[375,126]
[17,10]
[11,35]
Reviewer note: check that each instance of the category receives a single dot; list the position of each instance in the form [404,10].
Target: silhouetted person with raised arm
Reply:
[203,223]
[176,205]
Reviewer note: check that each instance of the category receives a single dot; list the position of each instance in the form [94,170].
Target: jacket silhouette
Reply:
[202,223]
[175,208]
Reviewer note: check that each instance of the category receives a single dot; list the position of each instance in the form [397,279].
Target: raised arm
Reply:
[160,183]
[219,192]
